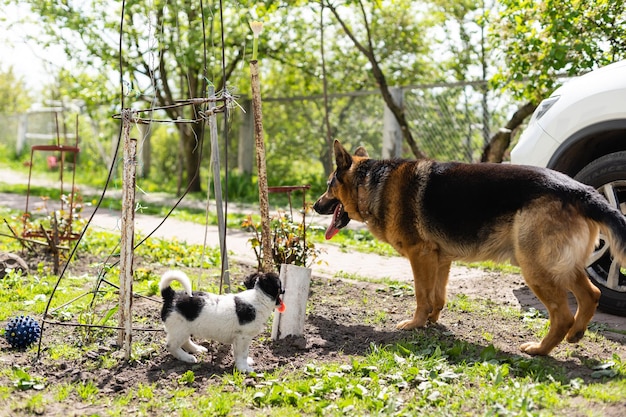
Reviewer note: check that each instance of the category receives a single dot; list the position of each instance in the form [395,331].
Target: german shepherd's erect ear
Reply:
[343,158]
[360,151]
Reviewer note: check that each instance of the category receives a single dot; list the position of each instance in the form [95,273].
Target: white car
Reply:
[581,130]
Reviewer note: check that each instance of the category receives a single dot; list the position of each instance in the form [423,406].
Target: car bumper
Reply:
[534,147]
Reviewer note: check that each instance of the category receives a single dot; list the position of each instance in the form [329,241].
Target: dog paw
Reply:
[245,369]
[434,316]
[185,357]
[533,348]
[409,325]
[201,349]
[250,361]
[575,338]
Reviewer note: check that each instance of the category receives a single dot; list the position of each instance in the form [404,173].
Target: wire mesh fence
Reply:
[448,122]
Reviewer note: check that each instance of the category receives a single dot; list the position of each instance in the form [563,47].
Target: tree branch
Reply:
[501,140]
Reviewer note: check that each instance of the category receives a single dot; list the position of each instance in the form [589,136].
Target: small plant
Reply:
[145,391]
[95,326]
[289,242]
[61,224]
[13,278]
[36,404]
[22,380]
[87,390]
[187,378]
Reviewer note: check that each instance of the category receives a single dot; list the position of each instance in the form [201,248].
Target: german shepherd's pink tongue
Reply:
[332,229]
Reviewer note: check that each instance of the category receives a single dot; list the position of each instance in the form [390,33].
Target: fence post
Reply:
[392,133]
[22,128]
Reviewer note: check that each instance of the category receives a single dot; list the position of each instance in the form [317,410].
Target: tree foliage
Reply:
[14,95]
[166,51]
[175,50]
[400,50]
[543,41]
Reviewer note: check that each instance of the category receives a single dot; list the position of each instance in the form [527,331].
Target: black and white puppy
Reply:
[230,318]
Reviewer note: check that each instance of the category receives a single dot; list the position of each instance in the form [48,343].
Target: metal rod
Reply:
[217,184]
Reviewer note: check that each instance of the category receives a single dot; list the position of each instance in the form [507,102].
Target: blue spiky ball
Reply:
[22,331]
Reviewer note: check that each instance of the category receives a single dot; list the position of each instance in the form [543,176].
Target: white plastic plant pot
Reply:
[296,281]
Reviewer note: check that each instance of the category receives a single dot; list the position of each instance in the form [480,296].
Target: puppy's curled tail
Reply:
[174,275]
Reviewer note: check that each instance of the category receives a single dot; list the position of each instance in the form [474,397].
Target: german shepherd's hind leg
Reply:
[552,243]
[439,301]
[424,264]
[554,297]
[587,296]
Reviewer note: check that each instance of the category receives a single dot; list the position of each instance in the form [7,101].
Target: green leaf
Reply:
[489,353]
[605,373]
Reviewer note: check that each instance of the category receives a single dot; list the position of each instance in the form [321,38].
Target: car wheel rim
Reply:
[601,266]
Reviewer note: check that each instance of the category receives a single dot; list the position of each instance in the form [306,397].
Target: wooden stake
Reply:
[128,237]
[266,242]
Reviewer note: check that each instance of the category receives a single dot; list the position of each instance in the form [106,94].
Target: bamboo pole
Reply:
[127,237]
[266,240]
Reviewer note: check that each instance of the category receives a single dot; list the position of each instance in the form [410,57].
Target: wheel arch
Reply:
[588,144]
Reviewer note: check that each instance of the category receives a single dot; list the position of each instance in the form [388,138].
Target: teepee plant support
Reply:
[127,238]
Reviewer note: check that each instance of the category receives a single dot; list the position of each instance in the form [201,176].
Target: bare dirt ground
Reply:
[344,318]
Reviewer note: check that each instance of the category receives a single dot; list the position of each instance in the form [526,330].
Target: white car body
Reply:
[589,100]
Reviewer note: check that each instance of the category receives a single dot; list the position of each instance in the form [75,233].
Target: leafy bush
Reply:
[289,241]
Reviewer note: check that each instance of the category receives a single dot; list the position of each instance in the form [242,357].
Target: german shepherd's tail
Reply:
[167,278]
[611,222]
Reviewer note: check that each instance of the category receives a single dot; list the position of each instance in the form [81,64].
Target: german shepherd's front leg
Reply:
[429,292]
[439,301]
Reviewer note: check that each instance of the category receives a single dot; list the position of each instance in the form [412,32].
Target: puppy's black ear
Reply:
[270,284]
[251,280]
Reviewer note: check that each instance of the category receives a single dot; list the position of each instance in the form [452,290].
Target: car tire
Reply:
[607,174]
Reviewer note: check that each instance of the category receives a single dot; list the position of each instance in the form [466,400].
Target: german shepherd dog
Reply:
[433,213]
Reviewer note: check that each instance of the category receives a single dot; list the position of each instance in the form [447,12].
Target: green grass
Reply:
[425,378]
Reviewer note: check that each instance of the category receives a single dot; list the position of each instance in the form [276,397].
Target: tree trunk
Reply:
[501,140]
